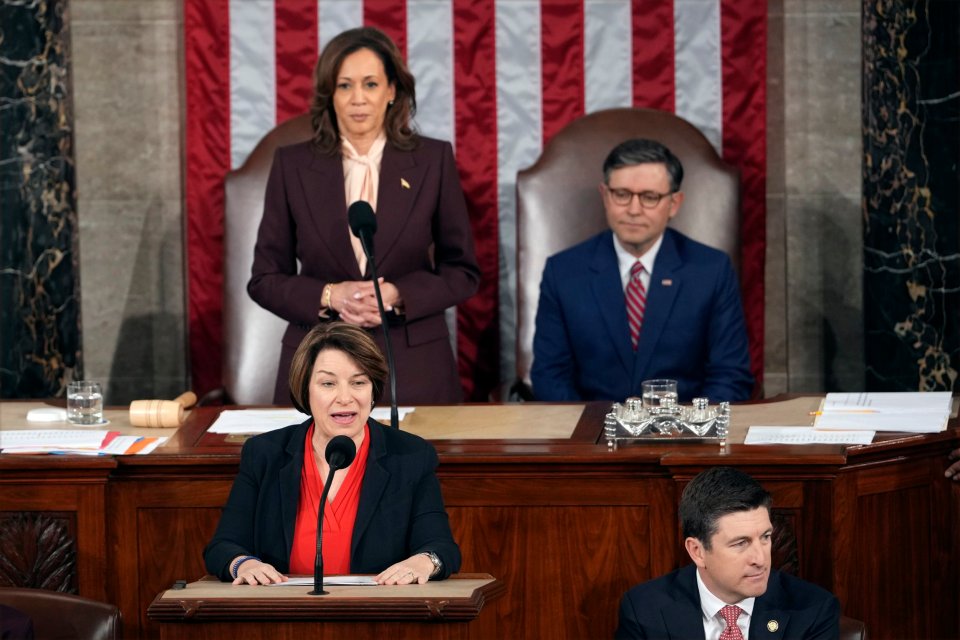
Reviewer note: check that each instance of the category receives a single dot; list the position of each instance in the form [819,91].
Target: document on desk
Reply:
[264,420]
[805,435]
[913,412]
[328,581]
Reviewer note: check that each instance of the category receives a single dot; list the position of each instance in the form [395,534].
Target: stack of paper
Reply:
[76,442]
[914,412]
[263,420]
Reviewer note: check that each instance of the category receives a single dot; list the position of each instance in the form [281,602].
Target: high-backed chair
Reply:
[63,616]
[251,334]
[559,204]
[851,629]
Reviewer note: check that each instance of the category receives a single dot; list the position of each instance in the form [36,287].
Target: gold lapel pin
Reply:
[404,183]
[667,282]
[772,626]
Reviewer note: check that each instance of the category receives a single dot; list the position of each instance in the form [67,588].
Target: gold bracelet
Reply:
[327,294]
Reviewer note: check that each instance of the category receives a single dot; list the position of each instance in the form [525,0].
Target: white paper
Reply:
[52,439]
[913,412]
[264,420]
[329,581]
[805,435]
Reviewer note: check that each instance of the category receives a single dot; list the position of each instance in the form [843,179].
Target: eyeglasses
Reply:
[648,199]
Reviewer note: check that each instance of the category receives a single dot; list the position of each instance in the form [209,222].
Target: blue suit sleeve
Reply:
[554,370]
[430,525]
[727,374]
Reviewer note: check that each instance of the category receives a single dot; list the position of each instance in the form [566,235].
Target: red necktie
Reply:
[730,613]
[636,302]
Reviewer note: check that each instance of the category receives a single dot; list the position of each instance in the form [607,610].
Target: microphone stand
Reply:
[318,561]
[394,414]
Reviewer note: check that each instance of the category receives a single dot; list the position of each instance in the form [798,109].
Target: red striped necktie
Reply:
[636,296]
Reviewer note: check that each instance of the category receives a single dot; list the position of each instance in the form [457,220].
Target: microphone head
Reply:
[340,452]
[363,221]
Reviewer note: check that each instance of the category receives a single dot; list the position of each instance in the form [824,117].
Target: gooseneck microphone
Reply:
[363,224]
[339,454]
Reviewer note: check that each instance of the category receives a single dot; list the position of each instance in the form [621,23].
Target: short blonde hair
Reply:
[340,336]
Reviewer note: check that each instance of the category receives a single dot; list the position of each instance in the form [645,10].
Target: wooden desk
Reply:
[213,610]
[566,524]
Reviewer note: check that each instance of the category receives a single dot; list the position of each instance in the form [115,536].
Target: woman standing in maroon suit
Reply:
[364,148]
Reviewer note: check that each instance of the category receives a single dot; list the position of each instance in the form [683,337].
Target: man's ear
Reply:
[675,203]
[696,550]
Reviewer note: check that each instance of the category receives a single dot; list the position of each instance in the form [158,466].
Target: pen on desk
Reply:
[820,413]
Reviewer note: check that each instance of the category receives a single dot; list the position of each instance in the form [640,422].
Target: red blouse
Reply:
[338,517]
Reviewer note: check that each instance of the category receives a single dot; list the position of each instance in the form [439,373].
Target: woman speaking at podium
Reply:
[365,149]
[384,513]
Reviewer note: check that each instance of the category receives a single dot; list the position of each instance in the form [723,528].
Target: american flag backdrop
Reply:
[496,78]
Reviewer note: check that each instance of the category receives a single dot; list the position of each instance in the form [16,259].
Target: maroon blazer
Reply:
[423,245]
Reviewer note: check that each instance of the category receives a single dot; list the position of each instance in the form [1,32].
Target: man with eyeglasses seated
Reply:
[640,301]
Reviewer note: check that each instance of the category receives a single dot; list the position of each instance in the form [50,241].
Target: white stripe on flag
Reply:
[430,57]
[519,140]
[336,16]
[253,76]
[698,75]
[608,80]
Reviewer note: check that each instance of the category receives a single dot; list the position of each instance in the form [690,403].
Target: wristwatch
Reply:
[437,562]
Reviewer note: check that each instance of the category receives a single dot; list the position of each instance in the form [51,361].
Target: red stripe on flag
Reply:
[207,67]
[743,28]
[390,16]
[475,102]
[296,39]
[654,62]
[561,68]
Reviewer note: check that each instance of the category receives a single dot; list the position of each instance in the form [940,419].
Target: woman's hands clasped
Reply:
[254,571]
[356,301]
[415,569]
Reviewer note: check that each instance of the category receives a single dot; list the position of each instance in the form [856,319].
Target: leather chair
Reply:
[63,616]
[251,334]
[559,205]
[851,629]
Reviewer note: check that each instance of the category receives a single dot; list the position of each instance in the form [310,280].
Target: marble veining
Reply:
[911,150]
[39,305]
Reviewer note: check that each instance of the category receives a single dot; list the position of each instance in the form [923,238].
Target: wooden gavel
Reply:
[161,413]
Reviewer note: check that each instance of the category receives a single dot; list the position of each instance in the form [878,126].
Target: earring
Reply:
[390,104]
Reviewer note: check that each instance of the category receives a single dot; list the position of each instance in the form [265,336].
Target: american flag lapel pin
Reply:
[667,282]
[404,183]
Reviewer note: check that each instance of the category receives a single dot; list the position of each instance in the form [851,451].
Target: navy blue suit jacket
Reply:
[693,328]
[400,513]
[669,607]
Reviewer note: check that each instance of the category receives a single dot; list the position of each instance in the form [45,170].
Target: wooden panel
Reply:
[328,630]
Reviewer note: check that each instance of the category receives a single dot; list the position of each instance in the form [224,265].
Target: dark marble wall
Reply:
[39,285]
[911,183]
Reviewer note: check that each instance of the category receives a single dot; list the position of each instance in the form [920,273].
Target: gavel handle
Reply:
[186,399]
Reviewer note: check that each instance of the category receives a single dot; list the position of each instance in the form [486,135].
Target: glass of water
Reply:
[85,403]
[660,393]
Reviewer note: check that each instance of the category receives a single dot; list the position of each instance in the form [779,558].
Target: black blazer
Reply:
[669,607]
[400,513]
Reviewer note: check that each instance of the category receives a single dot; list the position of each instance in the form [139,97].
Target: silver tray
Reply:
[631,422]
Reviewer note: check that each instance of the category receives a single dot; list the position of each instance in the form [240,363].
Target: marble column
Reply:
[911,144]
[39,287]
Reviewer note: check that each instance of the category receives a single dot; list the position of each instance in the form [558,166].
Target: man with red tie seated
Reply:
[384,514]
[730,592]
[640,301]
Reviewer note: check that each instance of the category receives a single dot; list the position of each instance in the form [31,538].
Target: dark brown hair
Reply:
[348,338]
[714,493]
[396,124]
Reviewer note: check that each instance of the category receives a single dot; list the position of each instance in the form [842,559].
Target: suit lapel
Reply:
[661,294]
[608,292]
[375,480]
[290,484]
[769,620]
[401,179]
[683,618]
[322,185]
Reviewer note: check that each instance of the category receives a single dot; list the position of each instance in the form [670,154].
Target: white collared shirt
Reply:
[713,624]
[625,261]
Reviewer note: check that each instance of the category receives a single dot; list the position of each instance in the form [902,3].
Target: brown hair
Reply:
[348,338]
[326,134]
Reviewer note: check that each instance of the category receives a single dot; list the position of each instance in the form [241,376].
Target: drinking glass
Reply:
[85,402]
[659,393]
